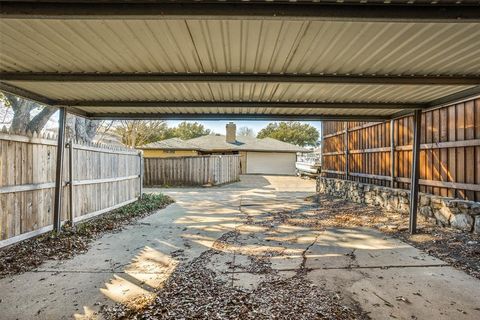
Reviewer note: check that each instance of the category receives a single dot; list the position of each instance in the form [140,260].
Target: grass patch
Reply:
[29,254]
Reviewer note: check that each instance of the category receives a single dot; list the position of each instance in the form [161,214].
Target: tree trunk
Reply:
[91,128]
[40,120]
[21,112]
[21,117]
[22,109]
[81,129]
[77,127]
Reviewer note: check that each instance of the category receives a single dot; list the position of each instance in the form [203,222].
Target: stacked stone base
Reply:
[443,211]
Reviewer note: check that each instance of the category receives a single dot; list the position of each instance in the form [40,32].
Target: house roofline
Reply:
[256,150]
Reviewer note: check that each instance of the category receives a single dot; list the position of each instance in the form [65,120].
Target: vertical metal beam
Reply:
[70,183]
[140,155]
[59,171]
[347,167]
[392,153]
[322,149]
[414,186]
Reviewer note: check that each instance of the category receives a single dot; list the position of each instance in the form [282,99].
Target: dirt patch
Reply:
[31,253]
[457,248]
[196,292]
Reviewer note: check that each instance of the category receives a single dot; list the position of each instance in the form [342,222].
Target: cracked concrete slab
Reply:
[406,293]
[370,248]
[248,281]
[387,277]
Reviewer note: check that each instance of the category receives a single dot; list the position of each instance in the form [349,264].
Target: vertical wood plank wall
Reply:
[449,157]
[103,178]
[188,171]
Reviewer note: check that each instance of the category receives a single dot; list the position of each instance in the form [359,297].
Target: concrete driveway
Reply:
[387,278]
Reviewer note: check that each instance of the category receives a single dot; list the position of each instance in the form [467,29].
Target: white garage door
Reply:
[271,163]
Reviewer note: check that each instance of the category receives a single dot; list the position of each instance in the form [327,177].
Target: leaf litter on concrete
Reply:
[458,248]
[196,292]
[29,254]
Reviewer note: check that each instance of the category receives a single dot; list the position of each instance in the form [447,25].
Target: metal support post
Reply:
[59,170]
[414,186]
[392,153]
[347,167]
[140,155]
[70,182]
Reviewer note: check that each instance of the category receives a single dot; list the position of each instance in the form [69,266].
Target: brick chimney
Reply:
[231,136]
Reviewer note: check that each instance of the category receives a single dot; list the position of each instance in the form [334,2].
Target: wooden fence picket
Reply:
[449,151]
[190,171]
[103,178]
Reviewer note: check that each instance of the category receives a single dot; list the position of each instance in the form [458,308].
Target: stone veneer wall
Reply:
[459,214]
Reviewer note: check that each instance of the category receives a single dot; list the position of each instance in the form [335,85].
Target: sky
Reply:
[218,126]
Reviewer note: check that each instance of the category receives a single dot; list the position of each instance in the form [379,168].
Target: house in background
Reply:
[173,147]
[257,156]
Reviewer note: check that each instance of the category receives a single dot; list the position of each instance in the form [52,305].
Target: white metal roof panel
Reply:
[239,46]
[119,43]
[266,92]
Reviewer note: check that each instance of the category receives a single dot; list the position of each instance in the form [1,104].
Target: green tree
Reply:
[292,132]
[188,130]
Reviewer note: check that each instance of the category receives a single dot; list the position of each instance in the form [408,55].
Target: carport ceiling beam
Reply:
[214,104]
[239,10]
[463,95]
[36,98]
[457,97]
[25,94]
[239,77]
[237,117]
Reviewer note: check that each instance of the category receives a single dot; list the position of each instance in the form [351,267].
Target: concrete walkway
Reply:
[388,278]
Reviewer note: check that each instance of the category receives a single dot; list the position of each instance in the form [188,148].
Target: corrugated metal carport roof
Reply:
[233,59]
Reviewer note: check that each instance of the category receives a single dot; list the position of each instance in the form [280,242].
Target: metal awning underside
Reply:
[241,60]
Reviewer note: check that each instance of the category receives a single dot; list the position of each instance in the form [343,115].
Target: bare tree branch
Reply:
[22,109]
[40,120]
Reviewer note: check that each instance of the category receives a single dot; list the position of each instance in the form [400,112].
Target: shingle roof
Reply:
[216,142]
[171,144]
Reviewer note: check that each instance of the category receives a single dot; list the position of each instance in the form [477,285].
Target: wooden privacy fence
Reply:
[449,156]
[187,171]
[97,179]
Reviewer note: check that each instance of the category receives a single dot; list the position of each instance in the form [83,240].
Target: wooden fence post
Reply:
[392,153]
[70,183]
